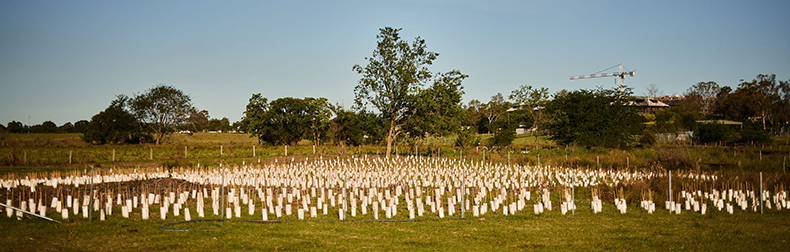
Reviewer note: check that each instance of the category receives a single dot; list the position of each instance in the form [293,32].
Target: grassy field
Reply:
[607,231]
[54,150]
[634,231]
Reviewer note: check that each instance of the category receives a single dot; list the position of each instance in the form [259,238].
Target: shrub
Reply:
[711,132]
[754,132]
[467,138]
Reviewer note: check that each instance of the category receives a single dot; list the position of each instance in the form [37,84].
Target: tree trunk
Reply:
[390,138]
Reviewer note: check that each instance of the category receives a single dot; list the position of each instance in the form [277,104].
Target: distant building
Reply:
[648,104]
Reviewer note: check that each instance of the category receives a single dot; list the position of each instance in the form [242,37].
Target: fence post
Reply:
[253,151]
[151,154]
[286,150]
[90,206]
[113,155]
[761,193]
[70,152]
[463,190]
[223,192]
[672,204]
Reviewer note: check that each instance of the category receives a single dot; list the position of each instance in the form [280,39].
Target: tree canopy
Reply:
[162,108]
[114,125]
[600,117]
[287,120]
[763,99]
[392,79]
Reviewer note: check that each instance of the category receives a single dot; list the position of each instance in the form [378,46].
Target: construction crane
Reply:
[620,75]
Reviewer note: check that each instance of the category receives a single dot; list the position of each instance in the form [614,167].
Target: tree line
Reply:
[398,98]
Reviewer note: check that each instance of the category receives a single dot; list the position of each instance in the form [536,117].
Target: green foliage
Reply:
[15,127]
[252,121]
[532,101]
[599,117]
[162,108]
[523,117]
[648,138]
[711,133]
[286,120]
[703,94]
[391,83]
[318,112]
[467,138]
[504,136]
[437,110]
[356,128]
[81,126]
[754,132]
[493,112]
[197,121]
[763,98]
[114,125]
[347,128]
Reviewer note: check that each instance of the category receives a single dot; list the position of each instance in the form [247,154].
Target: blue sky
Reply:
[66,60]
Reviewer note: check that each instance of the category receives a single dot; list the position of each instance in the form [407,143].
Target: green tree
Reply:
[15,127]
[504,133]
[494,110]
[762,99]
[601,117]
[393,74]
[48,127]
[252,121]
[318,112]
[532,100]
[197,121]
[286,120]
[113,125]
[711,133]
[66,128]
[704,95]
[162,108]
[347,128]
[467,137]
[81,126]
[437,110]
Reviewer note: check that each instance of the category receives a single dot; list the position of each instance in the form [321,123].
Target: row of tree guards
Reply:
[410,187]
[416,152]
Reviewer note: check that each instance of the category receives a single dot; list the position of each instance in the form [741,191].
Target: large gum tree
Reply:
[162,108]
[394,73]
